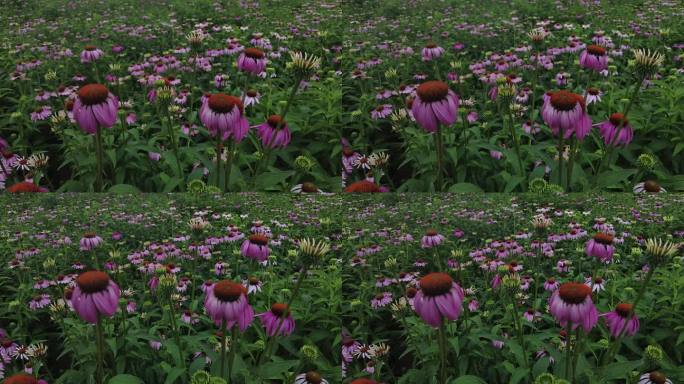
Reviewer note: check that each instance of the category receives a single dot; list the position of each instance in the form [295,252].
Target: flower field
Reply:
[354,287]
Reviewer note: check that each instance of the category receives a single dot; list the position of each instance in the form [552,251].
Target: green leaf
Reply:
[275,370]
[468,379]
[123,188]
[611,178]
[125,379]
[464,188]
[619,370]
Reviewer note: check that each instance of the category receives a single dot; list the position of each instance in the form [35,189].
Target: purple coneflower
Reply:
[431,239]
[609,129]
[255,247]
[431,51]
[594,57]
[252,60]
[274,132]
[601,247]
[95,107]
[434,104]
[572,303]
[95,295]
[565,112]
[90,241]
[227,301]
[310,377]
[222,114]
[616,319]
[439,297]
[271,320]
[91,53]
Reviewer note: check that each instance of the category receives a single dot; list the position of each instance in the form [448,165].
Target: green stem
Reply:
[229,162]
[176,332]
[576,352]
[516,142]
[98,150]
[100,352]
[174,144]
[233,346]
[218,160]
[440,158]
[442,354]
[561,143]
[568,343]
[519,329]
[223,347]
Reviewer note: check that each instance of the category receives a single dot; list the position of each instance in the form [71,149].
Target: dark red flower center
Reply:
[435,284]
[252,93]
[21,378]
[309,187]
[347,152]
[226,290]
[593,91]
[618,118]
[652,186]
[603,238]
[254,53]
[431,232]
[276,121]
[379,296]
[92,281]
[596,50]
[258,239]
[222,103]
[431,45]
[566,101]
[92,94]
[623,309]
[657,377]
[254,281]
[364,381]
[313,377]
[363,186]
[574,293]
[279,309]
[431,91]
[90,47]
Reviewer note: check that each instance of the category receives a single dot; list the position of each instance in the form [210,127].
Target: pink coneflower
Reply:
[255,247]
[274,133]
[381,299]
[222,114]
[95,295]
[310,377]
[594,57]
[251,97]
[648,186]
[95,107]
[271,320]
[41,113]
[610,127]
[91,53]
[90,241]
[597,284]
[615,320]
[593,95]
[439,297]
[601,247]
[565,112]
[531,315]
[434,104]
[253,285]
[431,239]
[349,157]
[349,348]
[252,60]
[381,112]
[431,51]
[227,301]
[572,303]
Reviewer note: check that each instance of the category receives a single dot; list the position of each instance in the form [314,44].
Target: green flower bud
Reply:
[196,186]
[200,377]
[647,161]
[259,345]
[537,185]
[545,378]
[309,352]
[653,355]
[304,163]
